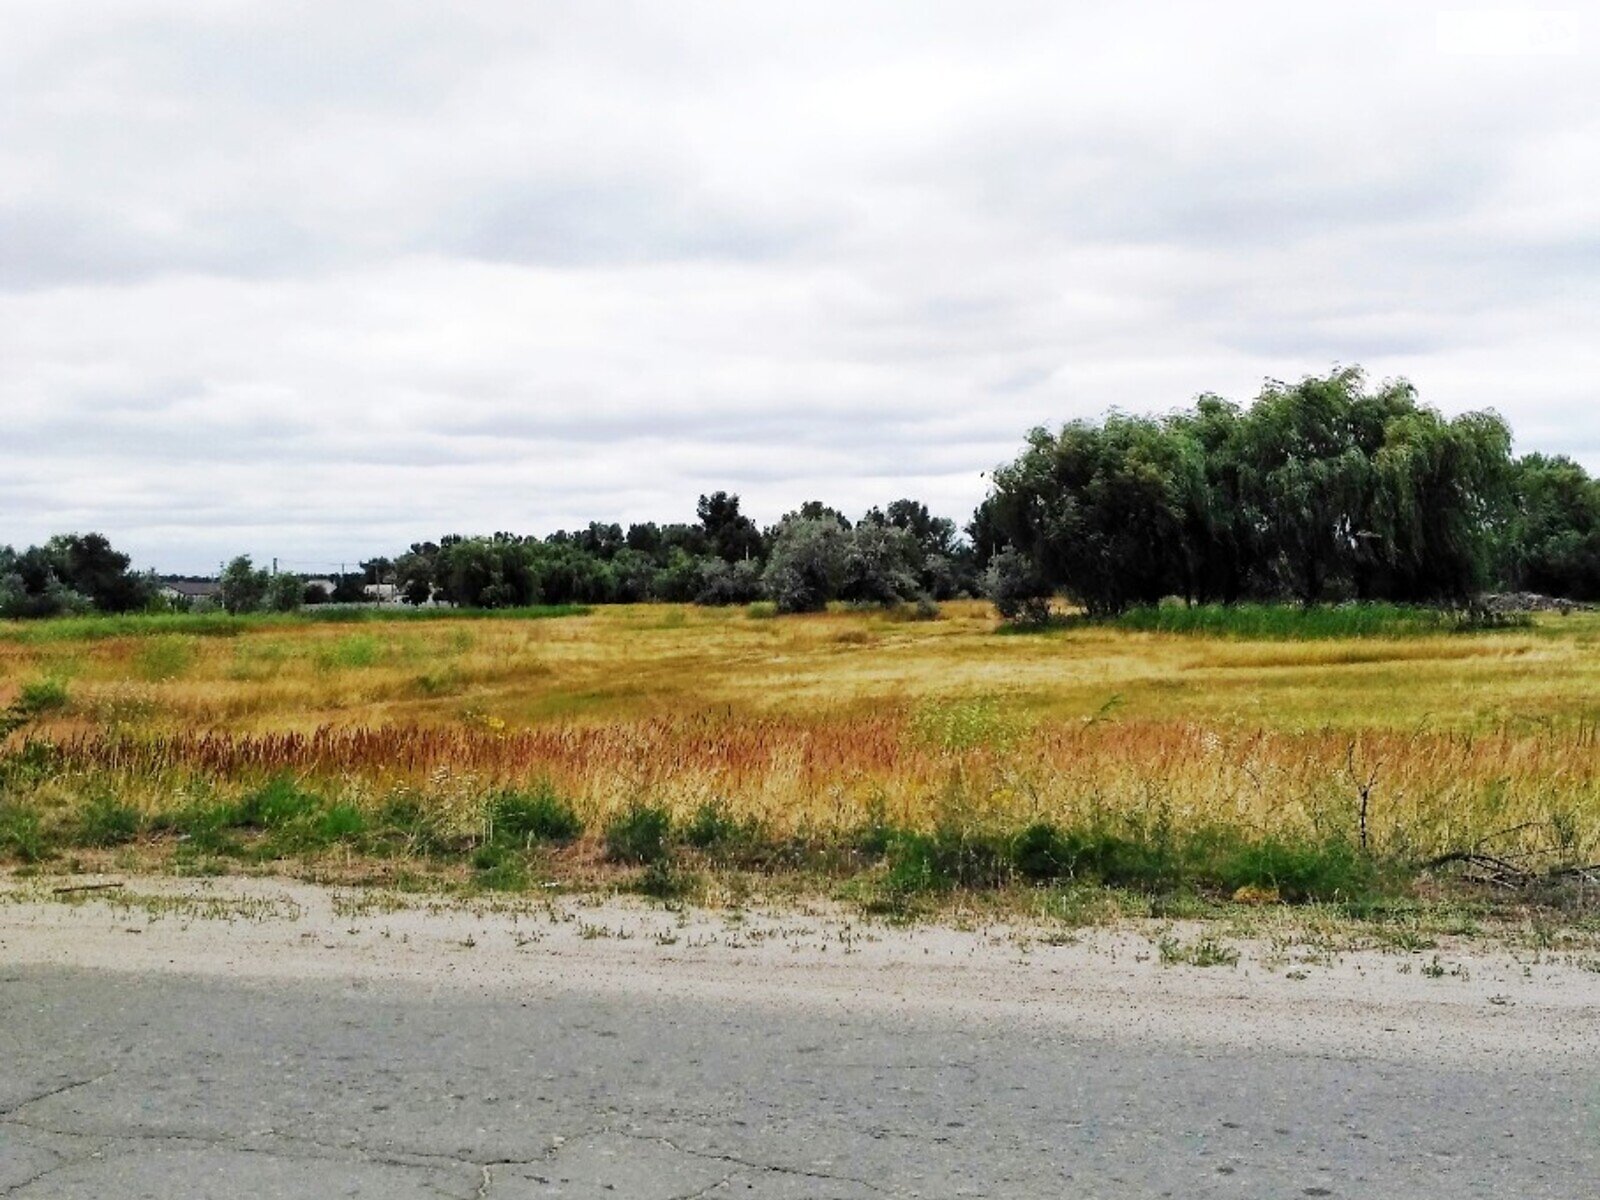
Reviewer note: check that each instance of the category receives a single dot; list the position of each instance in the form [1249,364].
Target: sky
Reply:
[313,281]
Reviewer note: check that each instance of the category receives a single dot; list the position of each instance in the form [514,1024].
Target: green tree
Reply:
[882,564]
[806,566]
[1098,510]
[286,592]
[1552,544]
[732,535]
[244,589]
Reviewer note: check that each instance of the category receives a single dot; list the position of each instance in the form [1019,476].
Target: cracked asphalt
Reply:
[169,1085]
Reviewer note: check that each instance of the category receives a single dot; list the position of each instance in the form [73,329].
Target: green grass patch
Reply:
[41,696]
[715,830]
[639,835]
[222,624]
[350,653]
[1287,622]
[105,822]
[166,657]
[22,835]
[529,817]
[1204,951]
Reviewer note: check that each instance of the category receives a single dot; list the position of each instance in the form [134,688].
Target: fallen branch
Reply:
[1506,874]
[84,887]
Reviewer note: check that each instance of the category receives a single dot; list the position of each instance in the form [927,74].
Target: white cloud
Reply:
[316,280]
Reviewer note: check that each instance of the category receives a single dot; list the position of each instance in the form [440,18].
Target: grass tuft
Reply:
[639,835]
[539,815]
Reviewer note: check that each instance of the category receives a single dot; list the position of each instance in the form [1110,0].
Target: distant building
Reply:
[325,586]
[381,593]
[190,589]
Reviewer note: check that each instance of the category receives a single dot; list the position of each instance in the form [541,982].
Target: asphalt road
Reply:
[118,1085]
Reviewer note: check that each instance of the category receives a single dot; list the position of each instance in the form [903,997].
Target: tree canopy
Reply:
[1323,489]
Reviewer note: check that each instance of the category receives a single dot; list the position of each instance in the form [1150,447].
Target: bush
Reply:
[724,836]
[285,593]
[536,816]
[244,588]
[496,869]
[806,567]
[21,835]
[921,862]
[660,880]
[1299,872]
[273,805]
[341,823]
[639,835]
[42,695]
[104,822]
[1018,591]
[723,583]
[1039,853]
[1151,861]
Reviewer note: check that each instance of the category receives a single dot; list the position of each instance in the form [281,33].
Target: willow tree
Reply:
[1099,510]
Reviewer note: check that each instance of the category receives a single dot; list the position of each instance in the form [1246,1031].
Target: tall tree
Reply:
[733,536]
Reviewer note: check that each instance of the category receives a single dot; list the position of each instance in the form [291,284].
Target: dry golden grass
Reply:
[820,723]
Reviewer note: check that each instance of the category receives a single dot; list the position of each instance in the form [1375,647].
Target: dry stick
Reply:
[85,887]
[1364,790]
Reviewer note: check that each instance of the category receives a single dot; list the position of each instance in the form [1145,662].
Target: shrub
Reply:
[712,825]
[42,695]
[21,835]
[920,862]
[274,804]
[728,583]
[204,828]
[660,880]
[715,830]
[1018,590]
[104,822]
[1039,853]
[639,835]
[536,816]
[806,566]
[341,823]
[285,593]
[1330,870]
[497,869]
[244,588]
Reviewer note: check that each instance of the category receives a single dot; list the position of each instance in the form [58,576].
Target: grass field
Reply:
[869,747]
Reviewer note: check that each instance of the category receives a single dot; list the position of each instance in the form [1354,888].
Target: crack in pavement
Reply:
[277,1145]
[65,1161]
[747,1164]
[709,1188]
[296,1148]
[283,1146]
[74,1085]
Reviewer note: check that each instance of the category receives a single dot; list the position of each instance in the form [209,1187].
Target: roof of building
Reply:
[192,587]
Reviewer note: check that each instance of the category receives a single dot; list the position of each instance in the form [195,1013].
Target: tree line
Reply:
[810,557]
[1322,490]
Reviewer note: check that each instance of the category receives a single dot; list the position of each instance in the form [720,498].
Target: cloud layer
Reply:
[313,280]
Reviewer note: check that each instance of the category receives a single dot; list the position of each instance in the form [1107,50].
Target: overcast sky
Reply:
[315,280]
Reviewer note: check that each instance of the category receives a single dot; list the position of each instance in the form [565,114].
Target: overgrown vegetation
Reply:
[1284,622]
[1321,490]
